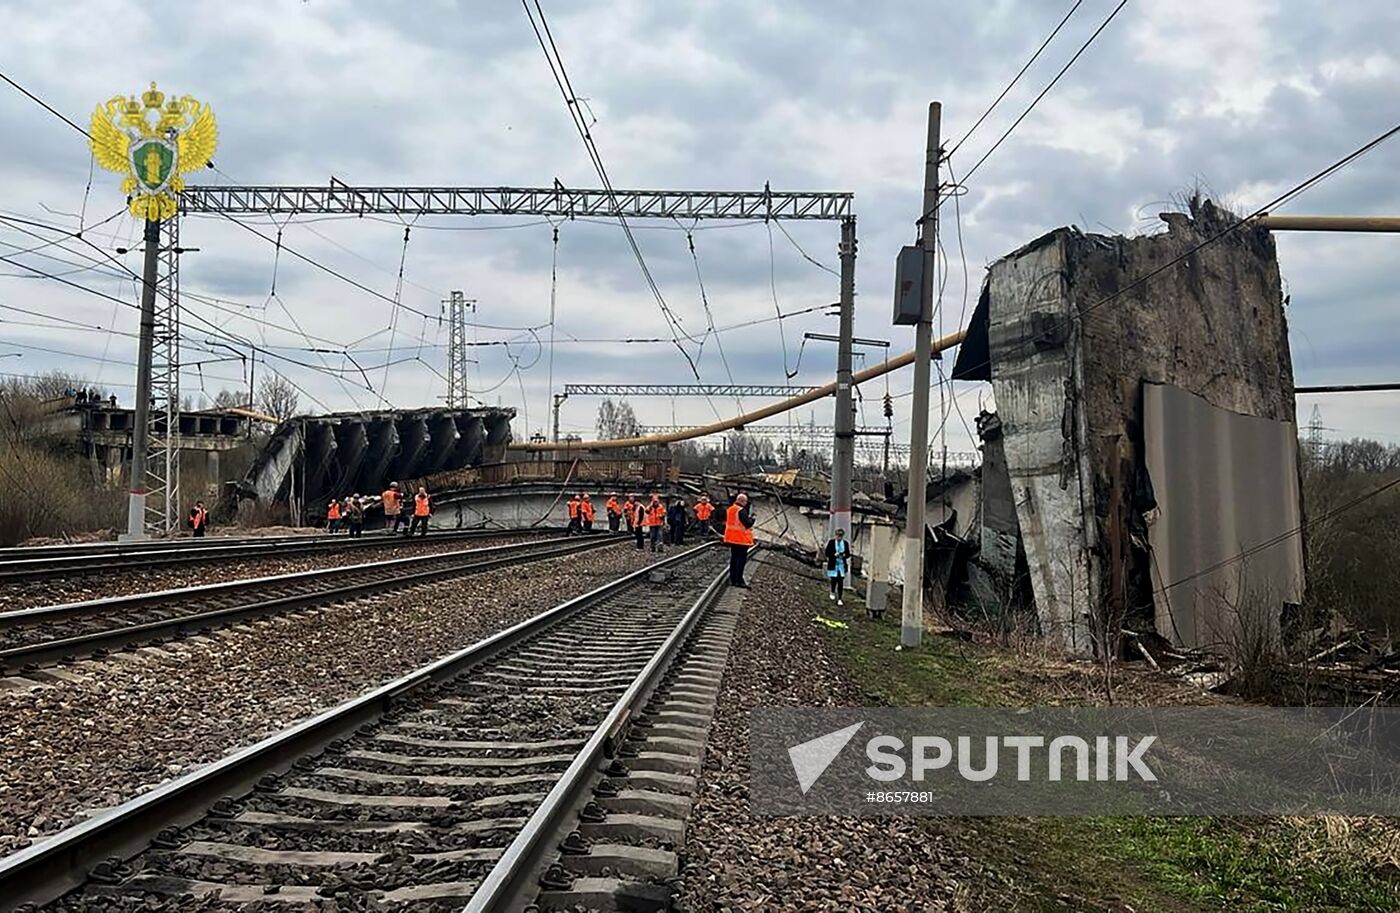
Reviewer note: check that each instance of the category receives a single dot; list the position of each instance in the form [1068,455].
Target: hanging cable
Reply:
[394,313]
[1022,72]
[1043,92]
[571,103]
[710,331]
[773,288]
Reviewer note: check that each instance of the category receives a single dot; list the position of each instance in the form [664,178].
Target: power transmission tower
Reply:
[1315,435]
[457,361]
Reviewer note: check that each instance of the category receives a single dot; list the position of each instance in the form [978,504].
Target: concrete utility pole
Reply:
[558,401]
[843,451]
[912,627]
[136,502]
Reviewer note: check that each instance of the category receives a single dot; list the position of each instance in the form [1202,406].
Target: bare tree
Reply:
[616,420]
[278,398]
[226,398]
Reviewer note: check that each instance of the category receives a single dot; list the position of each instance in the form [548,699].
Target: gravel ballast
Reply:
[128,722]
[55,590]
[736,861]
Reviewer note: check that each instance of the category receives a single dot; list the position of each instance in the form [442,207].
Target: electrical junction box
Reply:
[908,285]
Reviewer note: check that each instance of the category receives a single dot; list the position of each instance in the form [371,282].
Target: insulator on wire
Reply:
[889,406]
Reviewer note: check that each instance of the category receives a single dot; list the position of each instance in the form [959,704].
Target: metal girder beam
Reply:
[558,201]
[684,390]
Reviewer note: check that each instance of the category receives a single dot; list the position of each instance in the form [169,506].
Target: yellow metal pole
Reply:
[748,418]
[1329,223]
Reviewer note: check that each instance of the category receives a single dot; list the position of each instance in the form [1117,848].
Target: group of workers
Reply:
[349,512]
[653,520]
[663,523]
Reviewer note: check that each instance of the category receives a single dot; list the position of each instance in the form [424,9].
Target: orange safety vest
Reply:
[333,512]
[574,505]
[703,510]
[735,532]
[612,507]
[393,501]
[198,518]
[586,510]
[655,514]
[420,506]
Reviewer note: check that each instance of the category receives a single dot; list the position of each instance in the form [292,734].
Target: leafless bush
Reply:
[256,514]
[1353,552]
[1241,622]
[52,495]
[50,491]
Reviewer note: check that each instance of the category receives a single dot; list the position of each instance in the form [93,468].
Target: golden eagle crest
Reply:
[152,142]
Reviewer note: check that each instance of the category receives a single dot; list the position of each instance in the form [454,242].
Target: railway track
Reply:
[32,637]
[33,565]
[550,763]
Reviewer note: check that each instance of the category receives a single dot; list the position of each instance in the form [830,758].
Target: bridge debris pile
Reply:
[313,458]
[1142,463]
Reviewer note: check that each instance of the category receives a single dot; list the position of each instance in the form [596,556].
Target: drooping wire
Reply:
[710,331]
[571,103]
[1012,84]
[777,309]
[805,256]
[1240,222]
[394,313]
[1043,92]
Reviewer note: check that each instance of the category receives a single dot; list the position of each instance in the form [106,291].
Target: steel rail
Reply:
[517,870]
[28,566]
[45,871]
[470,561]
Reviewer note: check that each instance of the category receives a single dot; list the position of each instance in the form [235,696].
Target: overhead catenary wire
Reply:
[571,102]
[1239,222]
[710,332]
[1045,91]
[1015,79]
[43,104]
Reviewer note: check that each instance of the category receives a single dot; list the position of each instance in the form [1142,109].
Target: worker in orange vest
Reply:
[704,510]
[629,513]
[654,519]
[614,513]
[575,516]
[199,519]
[738,533]
[392,499]
[333,517]
[586,513]
[422,510]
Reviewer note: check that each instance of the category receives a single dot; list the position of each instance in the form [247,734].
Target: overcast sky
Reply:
[1240,99]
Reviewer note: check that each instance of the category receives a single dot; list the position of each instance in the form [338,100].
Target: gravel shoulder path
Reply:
[112,728]
[735,861]
[51,591]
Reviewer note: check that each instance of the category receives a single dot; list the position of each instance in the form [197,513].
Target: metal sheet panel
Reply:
[1225,539]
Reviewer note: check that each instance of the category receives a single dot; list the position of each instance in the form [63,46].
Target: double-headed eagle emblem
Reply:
[152,142]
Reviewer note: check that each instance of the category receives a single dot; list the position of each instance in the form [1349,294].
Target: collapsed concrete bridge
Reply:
[311,459]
